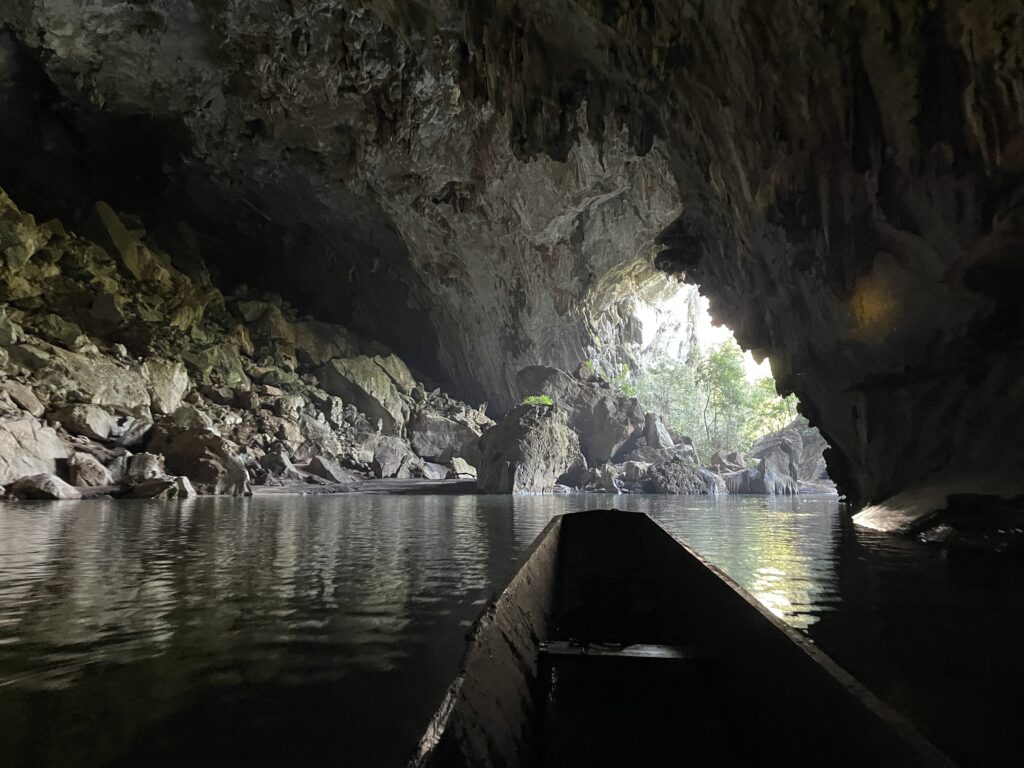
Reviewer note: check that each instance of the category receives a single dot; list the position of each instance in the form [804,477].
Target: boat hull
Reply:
[616,644]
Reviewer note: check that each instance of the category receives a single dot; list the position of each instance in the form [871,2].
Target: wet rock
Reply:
[43,486]
[168,383]
[163,487]
[28,448]
[528,452]
[803,445]
[24,397]
[88,471]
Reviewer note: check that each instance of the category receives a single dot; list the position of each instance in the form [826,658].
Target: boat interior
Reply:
[615,645]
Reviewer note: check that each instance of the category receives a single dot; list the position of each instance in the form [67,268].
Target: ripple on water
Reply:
[146,632]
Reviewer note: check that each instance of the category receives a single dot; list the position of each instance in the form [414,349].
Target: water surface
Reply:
[281,630]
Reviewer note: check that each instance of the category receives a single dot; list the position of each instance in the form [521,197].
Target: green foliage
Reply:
[538,400]
[590,365]
[623,382]
[708,398]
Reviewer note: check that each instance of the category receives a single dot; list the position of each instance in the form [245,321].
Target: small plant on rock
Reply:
[538,400]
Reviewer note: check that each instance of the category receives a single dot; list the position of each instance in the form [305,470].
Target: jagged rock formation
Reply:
[531,451]
[849,175]
[123,374]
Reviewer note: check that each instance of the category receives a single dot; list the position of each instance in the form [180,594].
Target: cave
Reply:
[464,204]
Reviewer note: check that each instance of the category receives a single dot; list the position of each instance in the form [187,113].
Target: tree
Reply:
[709,399]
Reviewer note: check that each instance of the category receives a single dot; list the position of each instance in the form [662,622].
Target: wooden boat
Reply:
[616,645]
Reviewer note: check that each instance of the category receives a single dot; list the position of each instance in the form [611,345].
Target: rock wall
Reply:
[479,183]
[120,373]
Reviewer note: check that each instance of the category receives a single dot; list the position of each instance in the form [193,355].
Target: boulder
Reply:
[44,486]
[87,420]
[392,457]
[316,343]
[460,468]
[86,470]
[634,471]
[677,475]
[277,465]
[97,379]
[24,397]
[131,431]
[144,466]
[364,384]
[438,438]
[28,448]
[656,432]
[210,461]
[397,371]
[168,382]
[432,471]
[330,470]
[608,423]
[608,479]
[10,331]
[163,487]
[803,445]
[528,452]
[722,461]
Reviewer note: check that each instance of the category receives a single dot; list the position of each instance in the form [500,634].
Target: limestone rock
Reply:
[330,470]
[24,397]
[87,420]
[802,443]
[392,457]
[656,432]
[528,452]
[144,466]
[28,448]
[366,385]
[438,438]
[44,486]
[210,461]
[168,383]
[607,423]
[98,379]
[676,476]
[460,468]
[163,487]
[88,471]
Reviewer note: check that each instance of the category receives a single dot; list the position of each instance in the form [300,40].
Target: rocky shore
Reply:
[124,371]
[583,434]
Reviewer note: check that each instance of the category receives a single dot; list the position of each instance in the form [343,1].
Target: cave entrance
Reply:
[693,374]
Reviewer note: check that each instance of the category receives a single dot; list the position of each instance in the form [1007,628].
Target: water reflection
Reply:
[238,630]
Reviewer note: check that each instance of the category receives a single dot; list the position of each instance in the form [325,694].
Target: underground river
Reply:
[295,629]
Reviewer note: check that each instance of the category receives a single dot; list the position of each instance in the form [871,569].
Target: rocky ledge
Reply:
[124,371]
